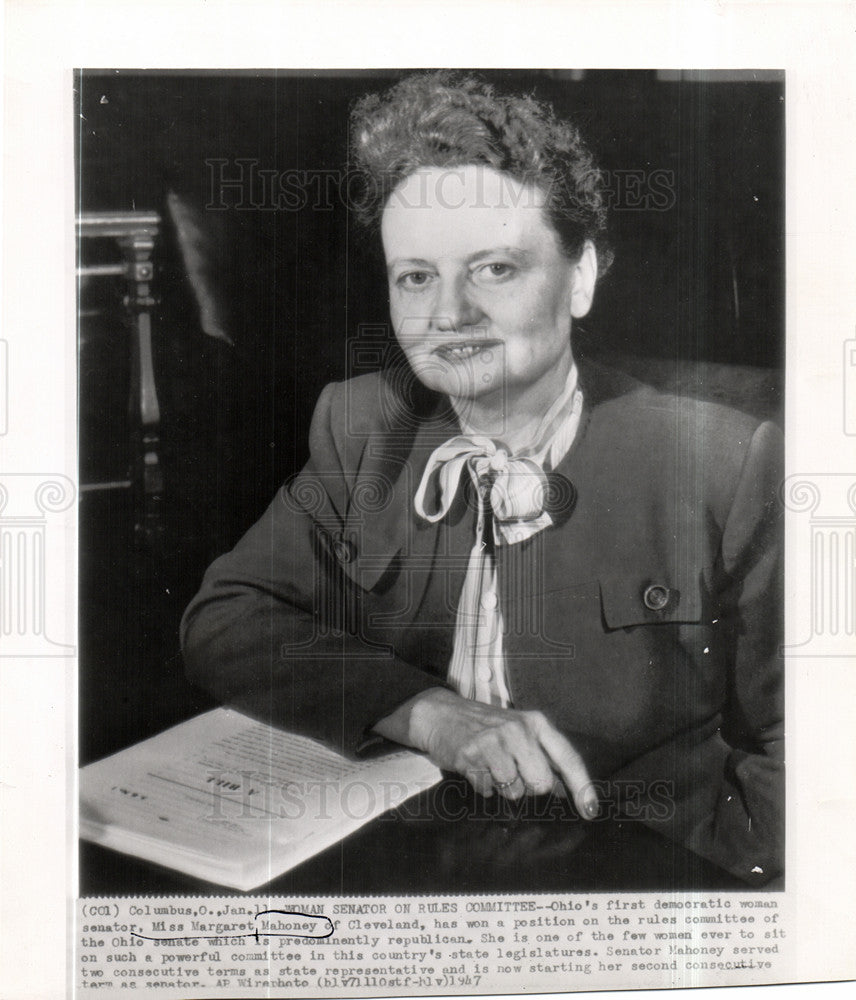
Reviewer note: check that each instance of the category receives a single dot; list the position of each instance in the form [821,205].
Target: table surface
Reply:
[449,840]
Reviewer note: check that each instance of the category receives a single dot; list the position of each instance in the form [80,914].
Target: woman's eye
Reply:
[414,279]
[496,271]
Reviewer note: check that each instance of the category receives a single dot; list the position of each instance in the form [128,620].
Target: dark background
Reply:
[695,171]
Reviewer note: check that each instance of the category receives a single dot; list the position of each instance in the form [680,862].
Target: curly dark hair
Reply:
[450,119]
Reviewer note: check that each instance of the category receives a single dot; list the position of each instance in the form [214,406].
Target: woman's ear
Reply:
[584,277]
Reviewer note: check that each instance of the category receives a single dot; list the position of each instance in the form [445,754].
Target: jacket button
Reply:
[656,597]
[343,550]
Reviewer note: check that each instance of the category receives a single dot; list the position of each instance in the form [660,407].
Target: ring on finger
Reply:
[505,784]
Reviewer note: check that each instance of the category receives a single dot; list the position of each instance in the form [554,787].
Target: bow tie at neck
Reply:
[515,486]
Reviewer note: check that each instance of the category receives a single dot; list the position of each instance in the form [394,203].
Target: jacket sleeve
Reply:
[722,792]
[275,629]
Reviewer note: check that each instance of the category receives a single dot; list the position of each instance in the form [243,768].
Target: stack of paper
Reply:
[236,802]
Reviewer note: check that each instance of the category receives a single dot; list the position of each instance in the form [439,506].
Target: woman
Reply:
[541,573]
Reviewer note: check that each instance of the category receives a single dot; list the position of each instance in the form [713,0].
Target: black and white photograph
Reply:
[436,411]
[426,539]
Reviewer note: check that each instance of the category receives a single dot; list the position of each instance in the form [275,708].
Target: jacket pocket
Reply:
[650,598]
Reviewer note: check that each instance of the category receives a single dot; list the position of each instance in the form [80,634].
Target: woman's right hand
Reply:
[497,749]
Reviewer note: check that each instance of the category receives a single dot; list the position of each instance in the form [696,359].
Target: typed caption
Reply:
[397,946]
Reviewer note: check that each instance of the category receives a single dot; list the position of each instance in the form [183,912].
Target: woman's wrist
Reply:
[424,713]
[412,722]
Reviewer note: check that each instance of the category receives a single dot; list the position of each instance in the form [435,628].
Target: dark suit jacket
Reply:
[339,604]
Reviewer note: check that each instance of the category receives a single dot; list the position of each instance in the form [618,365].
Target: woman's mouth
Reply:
[465,351]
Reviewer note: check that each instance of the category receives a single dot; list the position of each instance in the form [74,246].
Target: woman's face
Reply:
[481,295]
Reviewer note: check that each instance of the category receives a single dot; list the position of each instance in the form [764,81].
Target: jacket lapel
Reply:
[381,523]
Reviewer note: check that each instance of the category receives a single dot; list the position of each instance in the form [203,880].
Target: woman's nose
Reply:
[454,308]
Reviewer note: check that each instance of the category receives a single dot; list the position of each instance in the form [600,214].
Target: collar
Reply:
[551,439]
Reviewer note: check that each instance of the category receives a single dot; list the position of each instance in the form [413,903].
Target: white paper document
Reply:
[235,801]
